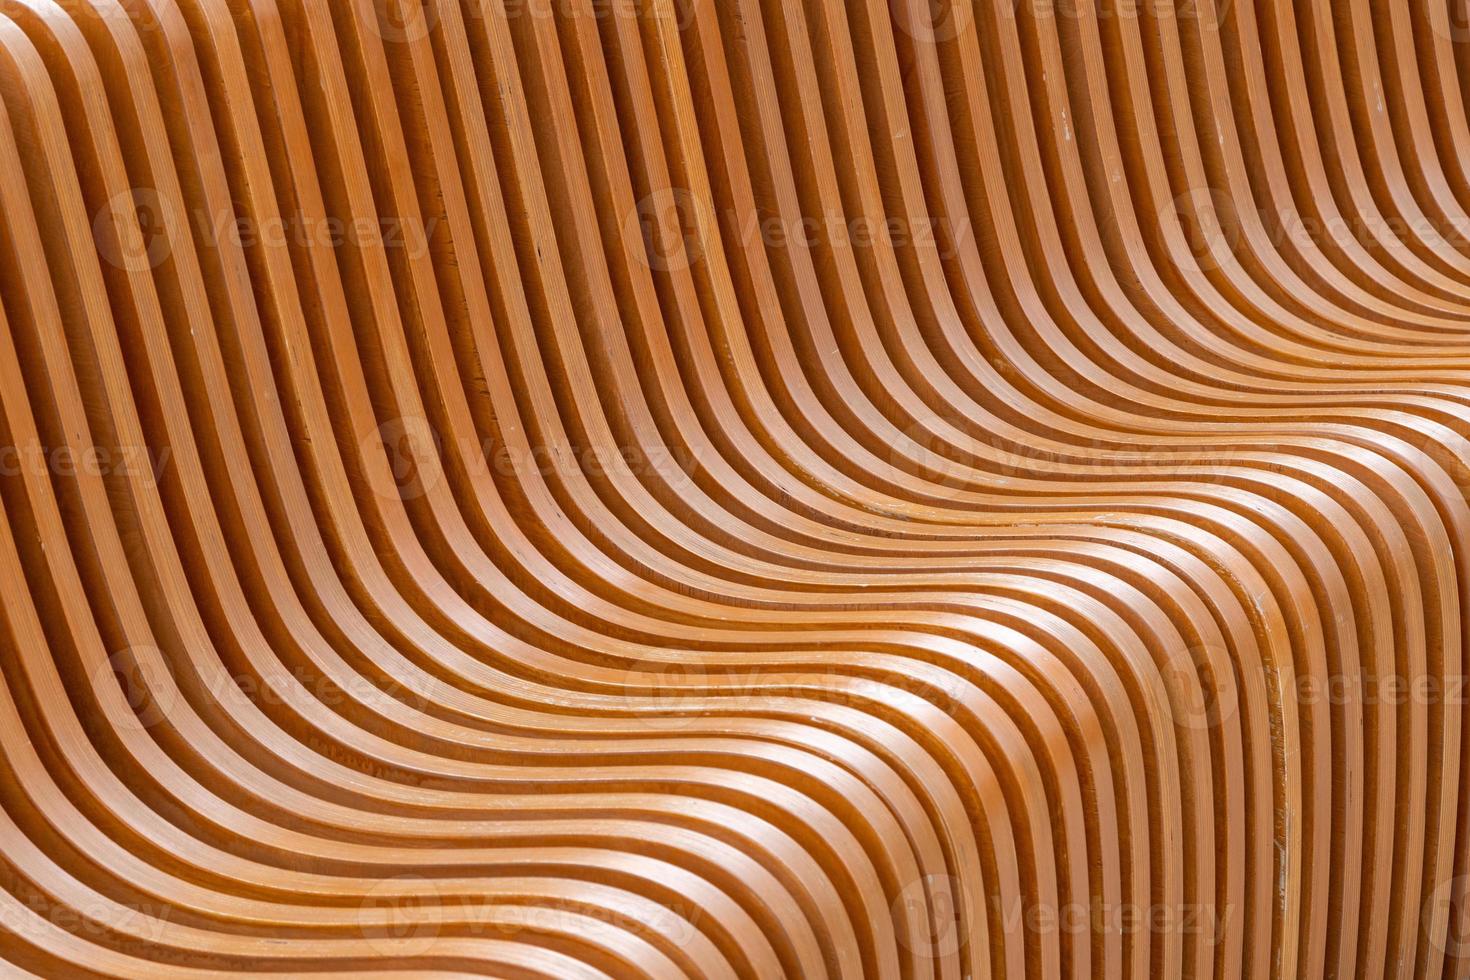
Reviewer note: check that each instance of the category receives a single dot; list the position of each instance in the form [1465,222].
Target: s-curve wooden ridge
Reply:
[734,488]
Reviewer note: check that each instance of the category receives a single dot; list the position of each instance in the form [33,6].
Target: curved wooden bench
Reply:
[734,488]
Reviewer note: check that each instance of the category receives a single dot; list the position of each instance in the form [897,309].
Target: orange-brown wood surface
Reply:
[734,488]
